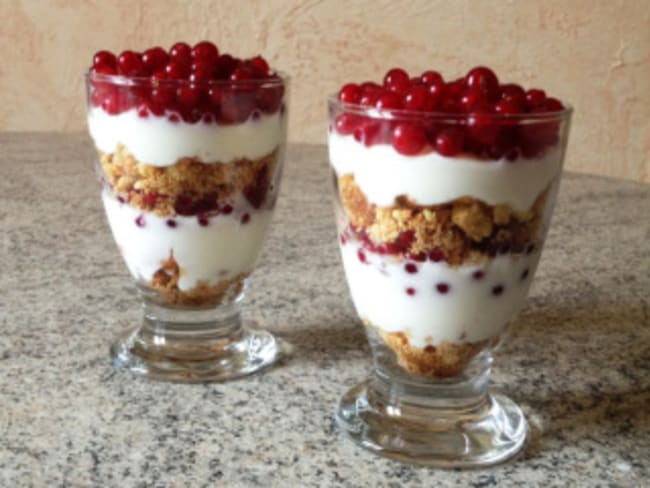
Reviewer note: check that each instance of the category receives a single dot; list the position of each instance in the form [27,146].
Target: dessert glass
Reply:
[439,253]
[189,177]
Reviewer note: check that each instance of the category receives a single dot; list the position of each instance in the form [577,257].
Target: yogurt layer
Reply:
[219,251]
[383,174]
[463,310]
[157,141]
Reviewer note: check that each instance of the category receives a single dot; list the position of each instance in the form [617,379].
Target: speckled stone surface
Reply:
[578,361]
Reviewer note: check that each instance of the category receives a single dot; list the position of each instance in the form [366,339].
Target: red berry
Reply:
[471,99]
[535,97]
[505,143]
[261,66]
[510,91]
[430,77]
[105,58]
[201,71]
[163,95]
[550,105]
[269,98]
[171,223]
[443,288]
[411,268]
[181,51]
[203,220]
[449,142]
[242,73]
[370,86]
[497,290]
[159,75]
[224,66]
[397,80]
[139,221]
[110,104]
[509,106]
[478,274]
[245,218]
[436,255]
[154,108]
[226,209]
[410,291]
[350,93]
[482,127]
[205,51]
[362,256]
[454,89]
[408,138]
[154,59]
[369,99]
[104,69]
[237,104]
[130,64]
[417,98]
[368,132]
[388,101]
[437,88]
[176,71]
[150,198]
[483,80]
[188,96]
[143,111]
[404,240]
[346,124]
[420,257]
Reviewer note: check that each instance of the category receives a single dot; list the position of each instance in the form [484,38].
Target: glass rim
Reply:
[388,114]
[122,80]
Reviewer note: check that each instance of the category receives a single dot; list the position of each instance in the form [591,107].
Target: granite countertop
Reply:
[578,361]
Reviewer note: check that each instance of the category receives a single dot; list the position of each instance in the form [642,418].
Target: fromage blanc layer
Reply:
[383,174]
[438,303]
[160,142]
[221,250]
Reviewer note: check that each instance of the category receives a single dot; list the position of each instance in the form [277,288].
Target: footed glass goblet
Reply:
[441,223]
[190,172]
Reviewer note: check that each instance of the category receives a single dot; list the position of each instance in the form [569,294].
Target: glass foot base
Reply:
[486,434]
[196,358]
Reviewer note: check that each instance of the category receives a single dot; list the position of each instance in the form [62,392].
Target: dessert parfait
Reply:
[444,194]
[190,144]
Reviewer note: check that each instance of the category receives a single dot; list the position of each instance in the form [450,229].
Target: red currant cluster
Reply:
[192,83]
[473,114]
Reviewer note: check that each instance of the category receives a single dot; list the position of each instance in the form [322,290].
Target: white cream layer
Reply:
[468,312]
[159,142]
[219,251]
[383,174]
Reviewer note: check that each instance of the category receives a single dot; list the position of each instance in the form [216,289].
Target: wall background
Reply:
[593,53]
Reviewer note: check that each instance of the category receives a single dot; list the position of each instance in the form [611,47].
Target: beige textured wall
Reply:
[593,53]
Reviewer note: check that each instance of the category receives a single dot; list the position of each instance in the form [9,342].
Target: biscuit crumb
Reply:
[465,230]
[165,281]
[157,189]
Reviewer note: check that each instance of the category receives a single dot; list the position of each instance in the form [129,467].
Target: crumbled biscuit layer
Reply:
[165,280]
[193,183]
[465,230]
[445,360]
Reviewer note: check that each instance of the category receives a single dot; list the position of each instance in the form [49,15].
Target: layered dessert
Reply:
[190,144]
[445,190]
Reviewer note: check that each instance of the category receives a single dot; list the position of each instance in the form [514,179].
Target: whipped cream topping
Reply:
[469,311]
[383,174]
[159,142]
[219,251]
